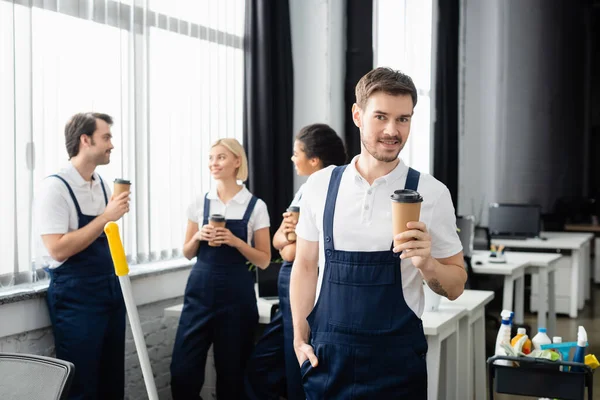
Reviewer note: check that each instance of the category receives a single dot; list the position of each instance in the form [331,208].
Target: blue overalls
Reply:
[369,343]
[295,391]
[88,317]
[219,308]
[273,370]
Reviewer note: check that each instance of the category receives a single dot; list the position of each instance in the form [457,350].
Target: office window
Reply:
[169,72]
[402,40]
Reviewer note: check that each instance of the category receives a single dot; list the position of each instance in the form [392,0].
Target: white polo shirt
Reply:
[234,209]
[55,212]
[363,219]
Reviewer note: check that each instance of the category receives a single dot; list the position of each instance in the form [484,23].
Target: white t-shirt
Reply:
[54,211]
[363,219]
[234,209]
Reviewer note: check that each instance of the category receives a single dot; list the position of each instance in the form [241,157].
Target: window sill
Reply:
[26,291]
[25,305]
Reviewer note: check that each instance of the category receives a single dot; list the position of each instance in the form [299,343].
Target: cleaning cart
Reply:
[538,377]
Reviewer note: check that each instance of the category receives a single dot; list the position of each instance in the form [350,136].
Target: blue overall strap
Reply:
[206,209]
[71,193]
[412,180]
[249,210]
[329,211]
[103,190]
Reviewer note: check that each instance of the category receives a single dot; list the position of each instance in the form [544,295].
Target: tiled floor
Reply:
[589,317]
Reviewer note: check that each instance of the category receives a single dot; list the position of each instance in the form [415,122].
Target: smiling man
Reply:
[84,297]
[366,336]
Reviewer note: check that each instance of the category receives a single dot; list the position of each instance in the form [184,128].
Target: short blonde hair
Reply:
[238,150]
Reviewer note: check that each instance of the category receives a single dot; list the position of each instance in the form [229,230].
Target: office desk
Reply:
[513,272]
[542,268]
[442,327]
[471,347]
[595,230]
[264,310]
[572,280]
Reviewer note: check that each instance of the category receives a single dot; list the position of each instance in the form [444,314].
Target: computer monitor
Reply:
[267,280]
[517,221]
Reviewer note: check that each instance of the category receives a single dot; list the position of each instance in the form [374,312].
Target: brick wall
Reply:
[159,333]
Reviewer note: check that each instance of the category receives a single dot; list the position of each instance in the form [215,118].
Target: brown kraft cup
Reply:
[120,186]
[406,207]
[295,211]
[217,221]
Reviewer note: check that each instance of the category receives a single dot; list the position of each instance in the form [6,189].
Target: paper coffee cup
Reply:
[406,207]
[295,211]
[217,221]
[120,186]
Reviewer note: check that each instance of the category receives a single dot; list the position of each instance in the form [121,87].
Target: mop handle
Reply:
[122,271]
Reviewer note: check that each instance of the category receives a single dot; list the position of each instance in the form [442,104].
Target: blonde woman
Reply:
[220,304]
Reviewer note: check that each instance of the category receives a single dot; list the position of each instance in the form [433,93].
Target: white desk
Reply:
[542,265]
[513,272]
[471,360]
[595,229]
[442,327]
[573,289]
[264,310]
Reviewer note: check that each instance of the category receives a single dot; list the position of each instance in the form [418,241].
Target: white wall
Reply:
[520,138]
[318,50]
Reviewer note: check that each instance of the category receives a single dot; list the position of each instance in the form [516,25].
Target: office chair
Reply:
[482,239]
[32,377]
[466,233]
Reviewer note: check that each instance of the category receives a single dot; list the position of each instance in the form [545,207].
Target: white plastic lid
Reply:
[557,339]
[521,331]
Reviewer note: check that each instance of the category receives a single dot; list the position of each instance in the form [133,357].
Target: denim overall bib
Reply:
[219,308]
[369,343]
[87,311]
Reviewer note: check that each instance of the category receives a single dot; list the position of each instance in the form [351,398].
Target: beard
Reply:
[101,158]
[381,156]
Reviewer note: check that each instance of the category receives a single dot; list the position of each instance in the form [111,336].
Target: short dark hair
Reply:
[385,80]
[82,124]
[322,142]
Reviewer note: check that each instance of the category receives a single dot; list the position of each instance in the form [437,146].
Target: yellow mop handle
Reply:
[122,270]
[116,249]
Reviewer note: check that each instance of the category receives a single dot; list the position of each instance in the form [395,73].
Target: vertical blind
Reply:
[169,72]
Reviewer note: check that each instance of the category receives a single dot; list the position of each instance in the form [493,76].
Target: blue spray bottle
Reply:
[579,356]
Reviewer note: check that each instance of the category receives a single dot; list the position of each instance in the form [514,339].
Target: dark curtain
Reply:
[359,61]
[445,142]
[268,104]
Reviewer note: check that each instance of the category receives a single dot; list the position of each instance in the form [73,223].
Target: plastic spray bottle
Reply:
[580,350]
[504,336]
